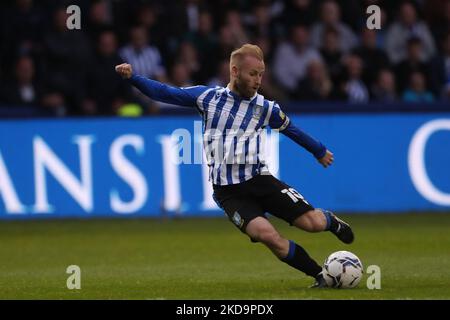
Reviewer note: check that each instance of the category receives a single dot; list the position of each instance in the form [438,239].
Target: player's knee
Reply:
[319,221]
[270,238]
[314,221]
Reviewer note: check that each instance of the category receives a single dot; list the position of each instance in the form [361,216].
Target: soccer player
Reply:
[234,119]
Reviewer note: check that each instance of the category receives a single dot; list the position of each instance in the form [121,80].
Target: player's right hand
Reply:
[327,159]
[124,70]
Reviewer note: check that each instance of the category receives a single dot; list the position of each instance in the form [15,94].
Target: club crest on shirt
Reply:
[218,95]
[237,220]
[257,111]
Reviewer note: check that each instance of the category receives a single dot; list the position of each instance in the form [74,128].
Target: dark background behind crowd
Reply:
[314,51]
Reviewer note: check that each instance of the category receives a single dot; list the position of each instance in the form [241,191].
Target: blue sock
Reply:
[299,259]
[332,224]
[327,215]
[291,252]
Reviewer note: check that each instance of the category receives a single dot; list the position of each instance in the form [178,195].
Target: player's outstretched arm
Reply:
[278,120]
[320,152]
[160,91]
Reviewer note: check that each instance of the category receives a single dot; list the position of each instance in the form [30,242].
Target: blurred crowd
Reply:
[314,51]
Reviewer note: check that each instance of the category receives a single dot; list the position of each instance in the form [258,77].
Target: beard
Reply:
[243,89]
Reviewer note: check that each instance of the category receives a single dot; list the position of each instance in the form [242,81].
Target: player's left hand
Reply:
[327,159]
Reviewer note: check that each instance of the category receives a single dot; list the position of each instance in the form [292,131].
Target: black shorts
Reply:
[261,194]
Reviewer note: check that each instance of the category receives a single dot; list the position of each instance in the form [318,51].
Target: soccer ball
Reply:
[342,269]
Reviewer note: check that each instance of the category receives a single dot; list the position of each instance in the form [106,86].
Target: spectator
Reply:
[220,7]
[225,45]
[330,16]
[353,86]
[222,76]
[188,55]
[23,89]
[417,92]
[233,22]
[146,61]
[103,85]
[350,10]
[381,33]
[266,46]
[203,38]
[292,58]
[100,18]
[299,12]
[440,67]
[413,62]
[180,75]
[144,58]
[192,11]
[331,53]
[205,43]
[67,52]
[179,18]
[270,89]
[384,89]
[405,28]
[148,17]
[317,84]
[21,32]
[260,22]
[373,58]
[54,103]
[437,14]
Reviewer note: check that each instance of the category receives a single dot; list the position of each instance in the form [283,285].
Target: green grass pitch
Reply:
[209,258]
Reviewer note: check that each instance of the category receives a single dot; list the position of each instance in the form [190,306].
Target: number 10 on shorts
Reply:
[294,195]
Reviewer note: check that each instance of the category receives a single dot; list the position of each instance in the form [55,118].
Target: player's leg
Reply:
[261,230]
[288,204]
[247,214]
[323,220]
[311,221]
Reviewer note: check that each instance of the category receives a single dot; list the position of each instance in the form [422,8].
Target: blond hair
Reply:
[247,49]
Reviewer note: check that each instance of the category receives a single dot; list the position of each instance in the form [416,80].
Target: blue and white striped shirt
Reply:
[233,127]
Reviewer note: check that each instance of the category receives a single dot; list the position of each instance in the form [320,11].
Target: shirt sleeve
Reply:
[278,119]
[158,91]
[300,137]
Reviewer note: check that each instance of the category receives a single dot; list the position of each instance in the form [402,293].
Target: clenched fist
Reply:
[124,70]
[327,159]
